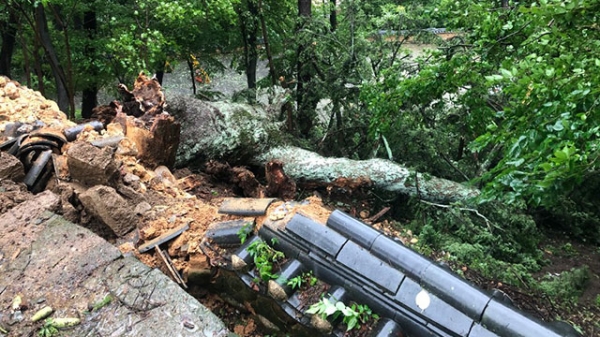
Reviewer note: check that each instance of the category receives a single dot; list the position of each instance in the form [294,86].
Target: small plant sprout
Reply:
[301,280]
[353,315]
[264,257]
[48,329]
[245,231]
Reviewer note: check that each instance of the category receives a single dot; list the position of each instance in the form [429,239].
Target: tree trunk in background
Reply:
[306,101]
[37,66]
[67,73]
[248,16]
[191,68]
[265,35]
[89,98]
[59,75]
[160,73]
[9,33]
[333,15]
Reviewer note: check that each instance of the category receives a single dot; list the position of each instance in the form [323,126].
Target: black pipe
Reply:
[36,169]
[72,132]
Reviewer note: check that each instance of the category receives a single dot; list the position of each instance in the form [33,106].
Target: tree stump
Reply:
[156,145]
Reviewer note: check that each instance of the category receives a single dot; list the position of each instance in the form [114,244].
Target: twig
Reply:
[378,215]
[487,221]
[453,166]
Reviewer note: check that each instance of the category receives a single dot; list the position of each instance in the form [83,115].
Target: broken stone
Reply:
[11,168]
[142,208]
[91,165]
[130,193]
[131,180]
[106,205]
[165,175]
[175,247]
[69,212]
[126,148]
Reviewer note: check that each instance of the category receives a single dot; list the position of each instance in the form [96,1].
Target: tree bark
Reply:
[59,75]
[305,100]
[381,174]
[68,73]
[333,15]
[249,30]
[192,75]
[265,35]
[242,134]
[9,33]
[89,98]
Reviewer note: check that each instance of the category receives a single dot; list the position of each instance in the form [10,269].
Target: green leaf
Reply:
[561,155]
[330,308]
[506,73]
[558,126]
[352,322]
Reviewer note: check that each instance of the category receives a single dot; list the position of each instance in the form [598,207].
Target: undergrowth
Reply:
[567,286]
[498,241]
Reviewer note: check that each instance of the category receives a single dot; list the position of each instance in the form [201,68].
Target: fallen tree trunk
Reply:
[241,134]
[309,167]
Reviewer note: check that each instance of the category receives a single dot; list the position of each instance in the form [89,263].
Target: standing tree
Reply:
[89,95]
[8,28]
[305,97]
[248,15]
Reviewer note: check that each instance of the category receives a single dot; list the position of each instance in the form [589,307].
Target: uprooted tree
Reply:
[242,134]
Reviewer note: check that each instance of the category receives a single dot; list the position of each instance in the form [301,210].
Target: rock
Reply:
[11,168]
[12,194]
[131,180]
[25,214]
[106,205]
[131,193]
[11,90]
[21,104]
[142,208]
[222,129]
[67,267]
[92,166]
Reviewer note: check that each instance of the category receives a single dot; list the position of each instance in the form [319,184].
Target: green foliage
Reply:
[245,231]
[302,280]
[264,259]
[48,329]
[519,86]
[353,315]
[567,286]
[502,245]
[104,302]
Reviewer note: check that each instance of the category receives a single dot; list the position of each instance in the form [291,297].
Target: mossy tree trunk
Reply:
[243,134]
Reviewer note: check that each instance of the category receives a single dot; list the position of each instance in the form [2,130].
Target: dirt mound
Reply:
[19,104]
